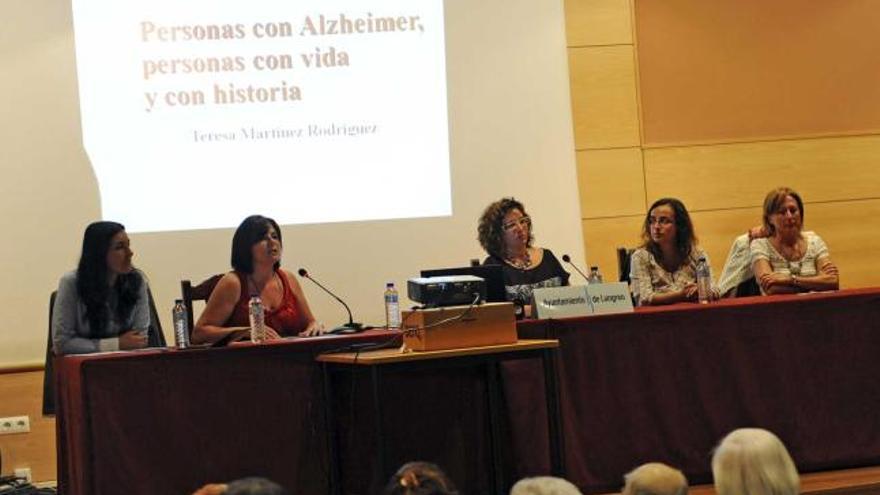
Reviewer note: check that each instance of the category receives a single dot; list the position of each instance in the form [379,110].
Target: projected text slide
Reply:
[198,113]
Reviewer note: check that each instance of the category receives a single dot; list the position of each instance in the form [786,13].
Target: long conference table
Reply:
[660,384]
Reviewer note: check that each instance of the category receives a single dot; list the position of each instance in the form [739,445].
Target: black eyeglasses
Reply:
[524,222]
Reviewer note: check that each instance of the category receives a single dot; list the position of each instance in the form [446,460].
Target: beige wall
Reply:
[651,68]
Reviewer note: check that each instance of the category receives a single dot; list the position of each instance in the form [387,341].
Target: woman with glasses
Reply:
[790,260]
[664,269]
[505,232]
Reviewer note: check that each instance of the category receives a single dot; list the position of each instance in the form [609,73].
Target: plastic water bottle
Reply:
[181,330]
[257,319]
[392,306]
[595,277]
[704,281]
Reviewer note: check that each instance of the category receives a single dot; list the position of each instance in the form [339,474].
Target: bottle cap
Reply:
[178,301]
[389,284]
[594,267]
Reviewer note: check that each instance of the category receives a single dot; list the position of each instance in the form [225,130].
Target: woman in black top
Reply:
[505,232]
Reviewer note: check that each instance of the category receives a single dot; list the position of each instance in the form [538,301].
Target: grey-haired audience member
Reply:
[544,485]
[655,478]
[754,461]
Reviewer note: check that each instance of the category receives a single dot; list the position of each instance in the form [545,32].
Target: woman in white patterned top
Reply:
[790,260]
[664,269]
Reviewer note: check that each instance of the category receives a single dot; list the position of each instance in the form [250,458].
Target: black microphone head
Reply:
[302,272]
[566,258]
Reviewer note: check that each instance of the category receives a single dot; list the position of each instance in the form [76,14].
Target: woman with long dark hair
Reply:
[102,305]
[664,269]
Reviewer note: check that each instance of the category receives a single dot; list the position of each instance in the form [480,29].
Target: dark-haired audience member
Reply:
[505,233]
[420,478]
[244,486]
[655,478]
[790,260]
[103,304]
[256,263]
[544,485]
[664,269]
[754,461]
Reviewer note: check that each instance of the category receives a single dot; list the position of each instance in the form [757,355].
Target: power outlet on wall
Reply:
[23,473]
[15,424]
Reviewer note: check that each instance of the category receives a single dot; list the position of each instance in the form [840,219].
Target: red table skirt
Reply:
[666,384]
[660,384]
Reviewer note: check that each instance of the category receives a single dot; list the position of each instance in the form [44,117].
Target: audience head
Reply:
[420,478]
[502,224]
[655,478]
[254,486]
[244,486]
[753,461]
[253,230]
[544,485]
[783,208]
[668,222]
[105,260]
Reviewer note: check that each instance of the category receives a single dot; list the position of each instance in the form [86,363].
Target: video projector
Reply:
[451,290]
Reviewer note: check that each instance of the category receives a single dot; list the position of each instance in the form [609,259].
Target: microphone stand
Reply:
[566,258]
[351,326]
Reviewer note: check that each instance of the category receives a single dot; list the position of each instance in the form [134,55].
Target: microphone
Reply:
[351,326]
[566,258]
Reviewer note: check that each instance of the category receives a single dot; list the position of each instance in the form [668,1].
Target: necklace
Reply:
[522,264]
[256,289]
[791,252]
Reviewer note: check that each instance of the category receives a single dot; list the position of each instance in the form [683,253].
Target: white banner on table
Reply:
[609,298]
[561,302]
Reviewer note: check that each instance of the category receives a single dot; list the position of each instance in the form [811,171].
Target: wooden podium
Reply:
[456,327]
[486,357]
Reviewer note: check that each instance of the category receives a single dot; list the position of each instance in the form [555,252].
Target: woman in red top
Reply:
[256,260]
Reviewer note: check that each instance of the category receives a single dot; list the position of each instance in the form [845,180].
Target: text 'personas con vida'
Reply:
[169,81]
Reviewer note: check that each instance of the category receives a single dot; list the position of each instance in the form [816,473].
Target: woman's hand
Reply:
[690,293]
[773,279]
[133,339]
[313,329]
[758,232]
[245,334]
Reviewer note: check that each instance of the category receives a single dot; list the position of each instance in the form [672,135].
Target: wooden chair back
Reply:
[200,292]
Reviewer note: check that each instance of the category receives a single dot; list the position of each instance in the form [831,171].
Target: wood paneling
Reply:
[723,181]
[740,175]
[598,22]
[611,182]
[603,236]
[716,231]
[22,395]
[850,229]
[733,70]
[603,95]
